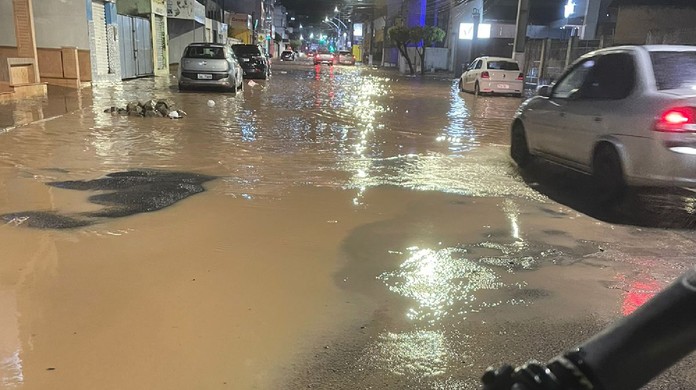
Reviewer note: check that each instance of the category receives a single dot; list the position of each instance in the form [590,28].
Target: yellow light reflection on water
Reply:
[439,281]
[421,353]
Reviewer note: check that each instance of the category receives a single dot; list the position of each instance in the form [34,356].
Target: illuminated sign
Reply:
[357,29]
[466,31]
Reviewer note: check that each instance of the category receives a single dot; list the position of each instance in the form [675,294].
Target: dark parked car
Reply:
[287,55]
[253,60]
[210,65]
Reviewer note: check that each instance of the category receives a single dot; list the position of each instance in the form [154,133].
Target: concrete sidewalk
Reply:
[57,102]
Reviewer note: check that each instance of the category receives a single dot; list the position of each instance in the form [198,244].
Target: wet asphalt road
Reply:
[331,228]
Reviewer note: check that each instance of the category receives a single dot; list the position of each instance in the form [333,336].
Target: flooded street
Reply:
[331,228]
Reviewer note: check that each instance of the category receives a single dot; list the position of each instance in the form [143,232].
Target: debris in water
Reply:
[151,108]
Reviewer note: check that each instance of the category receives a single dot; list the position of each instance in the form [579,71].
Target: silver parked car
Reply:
[626,115]
[210,65]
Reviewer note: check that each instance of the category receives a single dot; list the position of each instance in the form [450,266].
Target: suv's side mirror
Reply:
[544,90]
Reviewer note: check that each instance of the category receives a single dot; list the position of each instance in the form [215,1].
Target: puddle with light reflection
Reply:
[420,353]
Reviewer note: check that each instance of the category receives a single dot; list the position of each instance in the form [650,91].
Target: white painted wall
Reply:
[56,23]
[61,23]
[181,34]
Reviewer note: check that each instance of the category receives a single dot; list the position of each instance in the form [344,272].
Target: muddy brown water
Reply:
[363,230]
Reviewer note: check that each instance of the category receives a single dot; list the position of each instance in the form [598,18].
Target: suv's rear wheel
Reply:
[608,174]
[519,151]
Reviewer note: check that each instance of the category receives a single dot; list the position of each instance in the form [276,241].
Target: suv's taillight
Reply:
[520,77]
[485,75]
[677,120]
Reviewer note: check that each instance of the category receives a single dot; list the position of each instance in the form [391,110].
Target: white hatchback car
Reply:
[492,75]
[626,115]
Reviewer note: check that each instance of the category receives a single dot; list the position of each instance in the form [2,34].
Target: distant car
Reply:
[346,58]
[210,65]
[492,75]
[626,115]
[323,56]
[287,55]
[254,61]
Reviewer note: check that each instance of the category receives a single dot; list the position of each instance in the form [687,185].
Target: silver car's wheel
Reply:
[607,173]
[519,150]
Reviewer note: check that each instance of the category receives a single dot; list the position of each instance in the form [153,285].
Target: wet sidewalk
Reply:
[57,102]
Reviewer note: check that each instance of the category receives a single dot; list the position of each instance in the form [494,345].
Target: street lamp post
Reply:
[476,15]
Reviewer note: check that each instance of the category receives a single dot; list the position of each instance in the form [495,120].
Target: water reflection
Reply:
[460,133]
[420,353]
[487,172]
[439,280]
[11,372]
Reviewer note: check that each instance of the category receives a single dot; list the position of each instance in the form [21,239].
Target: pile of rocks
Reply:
[151,108]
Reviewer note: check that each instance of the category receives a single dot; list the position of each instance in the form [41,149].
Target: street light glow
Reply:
[569,9]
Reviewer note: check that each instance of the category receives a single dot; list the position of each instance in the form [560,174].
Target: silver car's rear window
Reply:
[210,52]
[502,65]
[674,69]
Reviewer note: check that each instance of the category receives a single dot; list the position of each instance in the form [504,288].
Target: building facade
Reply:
[66,54]
[646,21]
[141,22]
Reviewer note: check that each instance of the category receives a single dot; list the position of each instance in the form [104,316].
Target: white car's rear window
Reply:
[502,65]
[674,69]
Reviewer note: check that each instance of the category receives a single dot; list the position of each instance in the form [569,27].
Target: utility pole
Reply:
[521,35]
[476,14]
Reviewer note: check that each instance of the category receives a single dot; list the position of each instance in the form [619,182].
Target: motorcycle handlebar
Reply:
[625,356]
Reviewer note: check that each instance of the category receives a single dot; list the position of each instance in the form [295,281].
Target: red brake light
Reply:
[485,75]
[678,119]
[520,77]
[675,117]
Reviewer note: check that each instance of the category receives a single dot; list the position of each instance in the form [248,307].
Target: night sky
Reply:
[541,11]
[315,9]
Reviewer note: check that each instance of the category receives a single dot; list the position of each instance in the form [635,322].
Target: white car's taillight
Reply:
[677,120]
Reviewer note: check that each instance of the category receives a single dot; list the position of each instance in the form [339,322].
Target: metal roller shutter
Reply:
[102,54]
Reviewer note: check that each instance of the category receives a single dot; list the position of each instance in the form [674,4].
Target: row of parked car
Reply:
[322,56]
[220,65]
[625,115]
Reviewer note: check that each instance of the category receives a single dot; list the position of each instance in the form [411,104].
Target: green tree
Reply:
[296,44]
[424,37]
[401,36]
